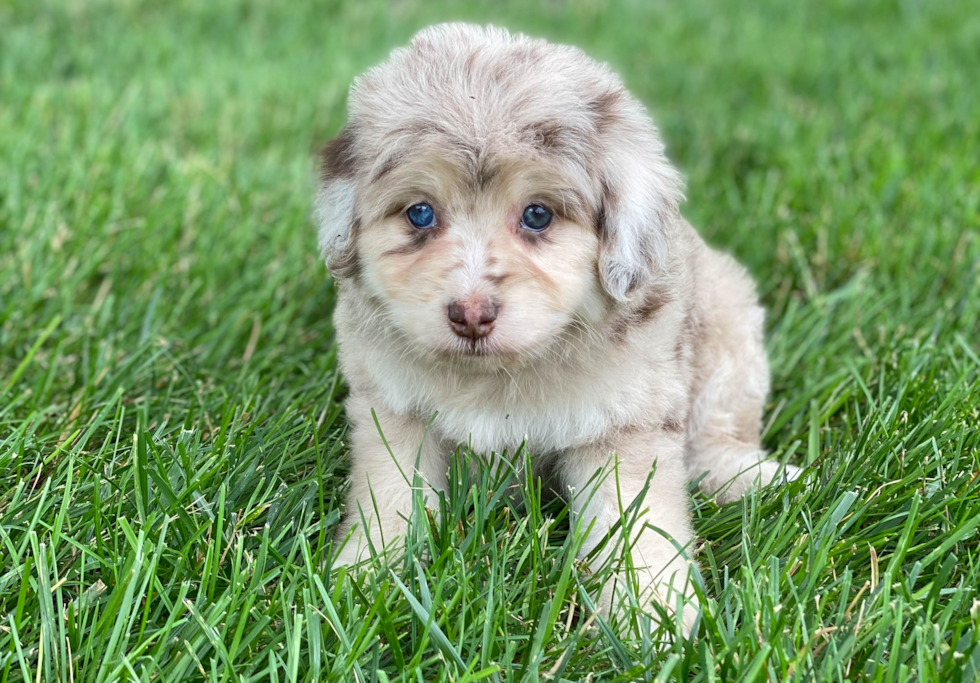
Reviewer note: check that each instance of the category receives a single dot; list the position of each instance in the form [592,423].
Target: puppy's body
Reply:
[616,336]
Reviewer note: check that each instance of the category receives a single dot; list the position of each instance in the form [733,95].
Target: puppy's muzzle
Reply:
[473,319]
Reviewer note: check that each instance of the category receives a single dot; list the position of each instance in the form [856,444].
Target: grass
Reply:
[172,454]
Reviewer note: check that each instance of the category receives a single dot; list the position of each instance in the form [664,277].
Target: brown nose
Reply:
[472,319]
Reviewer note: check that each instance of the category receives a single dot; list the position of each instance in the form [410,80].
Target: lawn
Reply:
[172,454]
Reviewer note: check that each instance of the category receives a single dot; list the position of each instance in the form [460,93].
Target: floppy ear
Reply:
[641,195]
[334,208]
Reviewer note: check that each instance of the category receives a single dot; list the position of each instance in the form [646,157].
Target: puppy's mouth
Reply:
[474,348]
[479,351]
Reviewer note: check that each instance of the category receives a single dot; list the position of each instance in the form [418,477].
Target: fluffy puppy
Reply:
[504,230]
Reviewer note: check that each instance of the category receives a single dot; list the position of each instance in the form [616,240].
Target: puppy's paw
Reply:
[357,549]
[792,472]
[749,473]
[349,555]
[617,599]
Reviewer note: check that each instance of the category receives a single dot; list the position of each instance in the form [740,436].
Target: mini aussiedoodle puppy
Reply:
[504,229]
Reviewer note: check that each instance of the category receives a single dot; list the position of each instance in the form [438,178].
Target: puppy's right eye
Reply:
[421,216]
[536,218]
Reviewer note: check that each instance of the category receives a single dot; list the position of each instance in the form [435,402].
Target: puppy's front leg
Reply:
[381,490]
[625,462]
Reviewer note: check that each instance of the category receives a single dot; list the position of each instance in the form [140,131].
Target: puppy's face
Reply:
[480,197]
[493,258]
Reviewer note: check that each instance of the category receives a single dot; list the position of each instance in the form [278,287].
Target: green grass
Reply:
[172,451]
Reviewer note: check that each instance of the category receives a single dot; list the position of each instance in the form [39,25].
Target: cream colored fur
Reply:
[622,341]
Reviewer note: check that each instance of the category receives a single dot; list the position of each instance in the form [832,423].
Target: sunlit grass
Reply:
[172,453]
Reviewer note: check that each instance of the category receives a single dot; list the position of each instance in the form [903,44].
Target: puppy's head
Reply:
[489,190]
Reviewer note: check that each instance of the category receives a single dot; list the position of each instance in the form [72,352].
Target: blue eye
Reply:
[535,218]
[421,216]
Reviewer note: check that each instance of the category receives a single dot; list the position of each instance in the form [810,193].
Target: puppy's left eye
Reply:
[535,218]
[421,216]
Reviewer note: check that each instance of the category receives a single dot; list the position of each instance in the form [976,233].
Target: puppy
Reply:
[504,230]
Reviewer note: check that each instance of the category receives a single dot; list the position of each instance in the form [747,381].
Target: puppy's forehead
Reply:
[484,92]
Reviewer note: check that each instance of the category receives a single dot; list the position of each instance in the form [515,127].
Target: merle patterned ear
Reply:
[641,196]
[334,208]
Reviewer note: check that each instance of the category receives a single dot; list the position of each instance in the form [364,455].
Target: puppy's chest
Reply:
[546,429]
[499,414]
